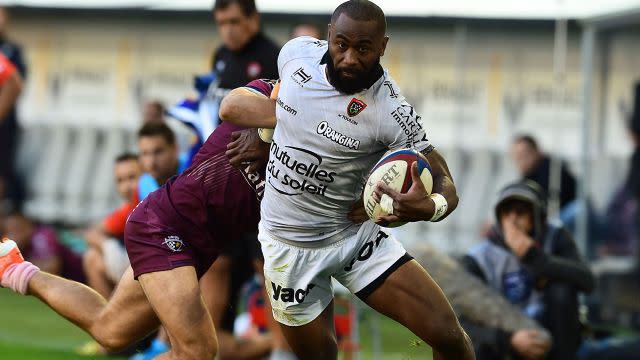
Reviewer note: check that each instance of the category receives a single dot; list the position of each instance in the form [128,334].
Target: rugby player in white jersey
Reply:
[337,112]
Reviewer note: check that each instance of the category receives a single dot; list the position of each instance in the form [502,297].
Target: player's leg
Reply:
[215,286]
[315,340]
[380,272]
[411,297]
[299,289]
[280,349]
[126,318]
[175,296]
[95,270]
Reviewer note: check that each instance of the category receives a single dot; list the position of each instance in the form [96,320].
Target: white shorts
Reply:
[298,275]
[116,260]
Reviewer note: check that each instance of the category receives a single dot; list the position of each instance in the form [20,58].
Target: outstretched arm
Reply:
[248,109]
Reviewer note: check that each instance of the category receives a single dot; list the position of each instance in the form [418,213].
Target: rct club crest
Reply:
[174,243]
[355,107]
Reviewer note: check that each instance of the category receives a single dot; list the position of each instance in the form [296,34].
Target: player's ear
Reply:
[384,45]
[328,31]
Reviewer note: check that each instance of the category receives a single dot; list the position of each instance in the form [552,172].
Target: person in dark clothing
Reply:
[246,54]
[535,165]
[633,179]
[8,121]
[535,265]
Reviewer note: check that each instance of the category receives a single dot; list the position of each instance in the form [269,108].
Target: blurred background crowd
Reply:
[100,106]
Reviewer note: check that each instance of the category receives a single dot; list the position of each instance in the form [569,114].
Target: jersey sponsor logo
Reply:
[290,294]
[325,130]
[253,70]
[286,107]
[254,180]
[410,123]
[319,43]
[366,250]
[174,243]
[392,92]
[301,77]
[355,107]
[315,180]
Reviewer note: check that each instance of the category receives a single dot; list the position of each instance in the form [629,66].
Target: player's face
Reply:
[236,29]
[355,48]
[524,156]
[158,157]
[126,174]
[520,213]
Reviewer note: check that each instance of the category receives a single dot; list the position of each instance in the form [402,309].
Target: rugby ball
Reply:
[394,169]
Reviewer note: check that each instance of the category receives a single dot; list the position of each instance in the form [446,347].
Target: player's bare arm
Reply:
[245,108]
[247,149]
[416,204]
[9,93]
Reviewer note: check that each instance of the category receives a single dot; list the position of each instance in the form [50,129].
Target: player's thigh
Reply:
[214,286]
[314,340]
[410,296]
[128,316]
[175,296]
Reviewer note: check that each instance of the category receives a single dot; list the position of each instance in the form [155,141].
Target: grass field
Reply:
[30,331]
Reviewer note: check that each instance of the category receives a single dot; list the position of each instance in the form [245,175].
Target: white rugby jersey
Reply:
[325,143]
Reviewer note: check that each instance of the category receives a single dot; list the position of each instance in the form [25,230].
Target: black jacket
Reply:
[568,186]
[257,60]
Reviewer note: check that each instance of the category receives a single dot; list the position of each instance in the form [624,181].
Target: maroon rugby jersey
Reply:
[211,202]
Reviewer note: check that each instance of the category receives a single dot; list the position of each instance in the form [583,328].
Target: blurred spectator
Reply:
[535,165]
[158,157]
[41,246]
[306,29]
[534,264]
[106,258]
[11,50]
[152,111]
[246,53]
[633,181]
[10,89]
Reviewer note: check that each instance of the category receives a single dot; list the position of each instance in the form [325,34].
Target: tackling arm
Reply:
[245,108]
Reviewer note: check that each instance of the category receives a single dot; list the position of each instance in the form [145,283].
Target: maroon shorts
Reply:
[153,246]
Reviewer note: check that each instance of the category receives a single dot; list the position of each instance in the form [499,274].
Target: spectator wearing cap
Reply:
[535,265]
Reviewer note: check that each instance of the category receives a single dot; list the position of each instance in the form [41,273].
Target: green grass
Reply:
[29,331]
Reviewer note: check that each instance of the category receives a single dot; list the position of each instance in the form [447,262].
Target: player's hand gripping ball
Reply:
[394,169]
